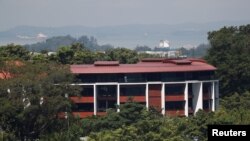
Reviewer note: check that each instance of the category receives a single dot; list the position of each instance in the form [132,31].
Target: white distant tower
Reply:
[164,44]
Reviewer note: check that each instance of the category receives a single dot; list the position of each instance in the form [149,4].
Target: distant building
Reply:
[164,43]
[168,54]
[159,53]
[176,87]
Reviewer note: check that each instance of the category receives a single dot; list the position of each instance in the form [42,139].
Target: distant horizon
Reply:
[129,36]
[223,23]
[96,13]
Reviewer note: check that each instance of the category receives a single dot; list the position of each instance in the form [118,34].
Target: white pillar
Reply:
[118,97]
[147,102]
[186,99]
[213,96]
[95,100]
[197,96]
[163,99]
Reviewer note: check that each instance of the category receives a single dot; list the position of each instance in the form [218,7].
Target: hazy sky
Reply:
[53,13]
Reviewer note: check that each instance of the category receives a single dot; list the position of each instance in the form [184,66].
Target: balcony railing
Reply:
[174,98]
[134,98]
[82,99]
[106,98]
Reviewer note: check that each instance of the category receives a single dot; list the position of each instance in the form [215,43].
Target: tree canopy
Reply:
[31,102]
[12,51]
[229,52]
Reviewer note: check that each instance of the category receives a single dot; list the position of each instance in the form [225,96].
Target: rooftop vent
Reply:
[178,62]
[152,60]
[197,60]
[106,63]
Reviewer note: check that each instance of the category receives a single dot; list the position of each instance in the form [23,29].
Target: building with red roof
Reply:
[176,87]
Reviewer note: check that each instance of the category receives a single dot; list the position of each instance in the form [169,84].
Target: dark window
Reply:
[203,75]
[170,77]
[83,107]
[190,90]
[174,89]
[153,77]
[106,91]
[134,78]
[132,90]
[190,103]
[86,78]
[178,105]
[206,75]
[87,91]
[207,89]
[107,78]
[206,104]
[103,105]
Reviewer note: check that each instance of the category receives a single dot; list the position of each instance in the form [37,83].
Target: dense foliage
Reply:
[229,52]
[30,100]
[12,51]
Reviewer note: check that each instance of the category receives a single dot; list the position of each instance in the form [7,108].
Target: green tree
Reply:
[237,106]
[123,55]
[65,55]
[12,51]
[31,103]
[229,52]
[75,54]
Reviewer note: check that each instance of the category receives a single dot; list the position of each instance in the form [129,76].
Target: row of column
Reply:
[197,98]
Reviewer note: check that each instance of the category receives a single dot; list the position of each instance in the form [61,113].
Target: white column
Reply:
[147,102]
[95,100]
[213,96]
[118,97]
[200,102]
[197,97]
[186,99]
[163,99]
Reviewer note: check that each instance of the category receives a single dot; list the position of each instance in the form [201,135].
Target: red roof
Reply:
[177,65]
[5,75]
